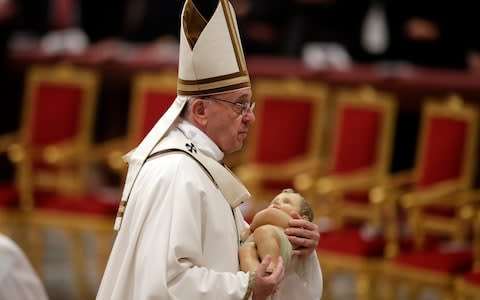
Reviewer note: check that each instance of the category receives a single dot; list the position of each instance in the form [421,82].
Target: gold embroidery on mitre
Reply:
[234,35]
[216,76]
[193,23]
[220,84]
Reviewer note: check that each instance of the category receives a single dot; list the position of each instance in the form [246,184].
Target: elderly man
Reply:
[179,220]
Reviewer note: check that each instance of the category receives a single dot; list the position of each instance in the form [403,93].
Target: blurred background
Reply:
[82,81]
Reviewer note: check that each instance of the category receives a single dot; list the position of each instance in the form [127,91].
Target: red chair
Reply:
[152,94]
[287,136]
[51,155]
[359,159]
[437,202]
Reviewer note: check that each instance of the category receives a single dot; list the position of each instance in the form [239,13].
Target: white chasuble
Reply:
[179,236]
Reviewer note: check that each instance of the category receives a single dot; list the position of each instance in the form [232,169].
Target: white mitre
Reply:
[211,61]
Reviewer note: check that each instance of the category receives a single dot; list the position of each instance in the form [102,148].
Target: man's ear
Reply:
[198,111]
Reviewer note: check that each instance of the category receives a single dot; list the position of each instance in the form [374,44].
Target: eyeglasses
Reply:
[241,108]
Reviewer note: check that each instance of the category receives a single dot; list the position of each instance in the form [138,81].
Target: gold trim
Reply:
[143,83]
[220,90]
[219,84]
[213,79]
[251,283]
[232,28]
[285,90]
[466,290]
[453,108]
[77,148]
[368,98]
[426,277]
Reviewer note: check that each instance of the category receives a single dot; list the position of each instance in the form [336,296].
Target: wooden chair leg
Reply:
[78,262]
[363,286]
[448,293]
[389,291]
[327,288]
[36,247]
[413,290]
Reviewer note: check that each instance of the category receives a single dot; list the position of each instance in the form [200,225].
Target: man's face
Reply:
[227,126]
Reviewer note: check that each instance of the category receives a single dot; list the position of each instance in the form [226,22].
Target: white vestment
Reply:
[179,237]
[18,280]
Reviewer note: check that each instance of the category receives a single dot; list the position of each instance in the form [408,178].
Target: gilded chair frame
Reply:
[464,289]
[292,90]
[62,154]
[76,152]
[454,108]
[18,148]
[455,194]
[113,150]
[144,82]
[335,186]
[443,193]
[332,188]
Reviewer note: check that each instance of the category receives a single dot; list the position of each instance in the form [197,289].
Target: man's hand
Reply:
[266,283]
[303,235]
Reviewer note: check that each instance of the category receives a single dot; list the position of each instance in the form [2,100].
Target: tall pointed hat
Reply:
[211,61]
[211,58]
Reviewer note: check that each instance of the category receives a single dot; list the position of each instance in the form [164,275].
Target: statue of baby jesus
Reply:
[266,233]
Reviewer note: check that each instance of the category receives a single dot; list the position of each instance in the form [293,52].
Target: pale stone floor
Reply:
[59,278]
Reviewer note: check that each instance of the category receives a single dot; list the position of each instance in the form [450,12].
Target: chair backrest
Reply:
[290,117]
[56,130]
[447,145]
[362,132]
[152,94]
[59,105]
[286,138]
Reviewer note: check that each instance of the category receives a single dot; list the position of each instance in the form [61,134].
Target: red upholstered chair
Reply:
[51,155]
[438,202]
[467,285]
[152,94]
[359,159]
[287,136]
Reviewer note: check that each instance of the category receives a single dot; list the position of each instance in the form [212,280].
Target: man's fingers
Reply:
[301,223]
[262,268]
[279,271]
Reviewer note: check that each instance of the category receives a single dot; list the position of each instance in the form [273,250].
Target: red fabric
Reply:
[356,139]
[156,104]
[437,260]
[444,151]
[283,130]
[441,211]
[82,204]
[279,185]
[360,197]
[8,195]
[56,113]
[349,241]
[472,277]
